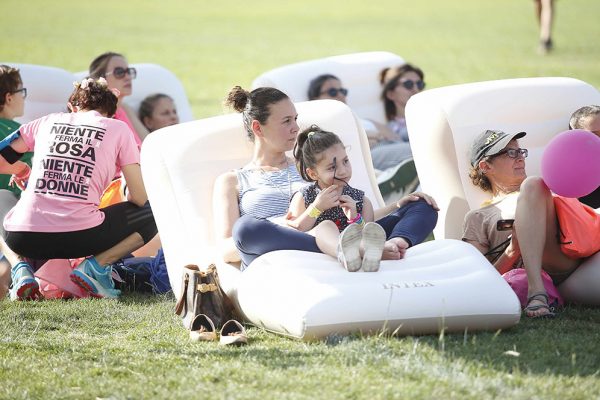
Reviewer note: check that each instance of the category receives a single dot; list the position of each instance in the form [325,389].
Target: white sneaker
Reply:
[349,247]
[373,240]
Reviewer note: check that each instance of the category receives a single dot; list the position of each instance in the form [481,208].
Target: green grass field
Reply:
[136,348]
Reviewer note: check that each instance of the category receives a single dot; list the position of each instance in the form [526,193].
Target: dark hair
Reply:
[10,79]
[100,64]
[314,87]
[254,105]
[479,179]
[389,78]
[310,143]
[94,96]
[147,105]
[577,118]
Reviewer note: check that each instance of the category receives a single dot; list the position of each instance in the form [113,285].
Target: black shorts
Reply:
[120,221]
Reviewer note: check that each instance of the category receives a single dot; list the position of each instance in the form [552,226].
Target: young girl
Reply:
[330,206]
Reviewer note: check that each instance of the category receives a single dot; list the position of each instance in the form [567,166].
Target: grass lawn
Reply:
[136,347]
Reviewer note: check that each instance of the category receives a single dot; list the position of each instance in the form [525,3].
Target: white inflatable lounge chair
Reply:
[444,284]
[49,88]
[443,122]
[359,73]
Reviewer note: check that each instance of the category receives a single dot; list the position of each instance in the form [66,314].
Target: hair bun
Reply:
[237,98]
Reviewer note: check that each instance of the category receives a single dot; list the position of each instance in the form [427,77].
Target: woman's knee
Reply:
[534,189]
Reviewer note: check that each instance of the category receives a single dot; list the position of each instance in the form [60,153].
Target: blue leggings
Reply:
[254,237]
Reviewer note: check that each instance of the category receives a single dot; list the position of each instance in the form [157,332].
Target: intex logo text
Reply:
[407,285]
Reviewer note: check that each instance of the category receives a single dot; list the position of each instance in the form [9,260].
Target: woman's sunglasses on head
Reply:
[120,72]
[410,84]
[23,91]
[333,92]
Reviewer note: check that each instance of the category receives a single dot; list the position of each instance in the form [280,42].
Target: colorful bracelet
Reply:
[314,212]
[357,220]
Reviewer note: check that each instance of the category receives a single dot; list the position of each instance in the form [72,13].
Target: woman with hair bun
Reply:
[251,204]
[76,156]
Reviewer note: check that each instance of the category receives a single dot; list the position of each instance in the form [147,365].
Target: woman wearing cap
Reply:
[498,167]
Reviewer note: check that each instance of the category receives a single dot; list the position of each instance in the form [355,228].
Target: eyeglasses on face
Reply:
[23,91]
[513,153]
[120,72]
[333,92]
[409,84]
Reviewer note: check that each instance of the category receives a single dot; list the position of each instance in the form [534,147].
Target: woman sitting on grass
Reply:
[247,200]
[57,216]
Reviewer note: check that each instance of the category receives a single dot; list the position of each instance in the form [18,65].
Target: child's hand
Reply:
[348,206]
[20,179]
[327,198]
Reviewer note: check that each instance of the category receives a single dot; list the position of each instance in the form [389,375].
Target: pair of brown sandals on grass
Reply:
[232,332]
[542,299]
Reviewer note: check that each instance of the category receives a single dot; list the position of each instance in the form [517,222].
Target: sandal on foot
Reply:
[349,248]
[543,298]
[373,240]
[202,329]
[233,333]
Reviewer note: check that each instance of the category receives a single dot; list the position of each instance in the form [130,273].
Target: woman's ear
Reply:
[147,122]
[484,166]
[257,128]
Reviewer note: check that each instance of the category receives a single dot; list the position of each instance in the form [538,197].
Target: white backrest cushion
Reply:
[153,79]
[358,72]
[48,89]
[180,164]
[443,122]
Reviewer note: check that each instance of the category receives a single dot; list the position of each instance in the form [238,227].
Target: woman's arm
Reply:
[298,216]
[15,167]
[135,184]
[140,129]
[226,212]
[385,210]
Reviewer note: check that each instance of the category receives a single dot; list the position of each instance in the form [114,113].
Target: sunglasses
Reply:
[119,72]
[513,153]
[23,91]
[410,84]
[333,92]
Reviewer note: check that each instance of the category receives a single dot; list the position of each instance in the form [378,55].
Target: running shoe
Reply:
[24,284]
[95,279]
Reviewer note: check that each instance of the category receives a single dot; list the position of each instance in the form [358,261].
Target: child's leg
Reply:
[327,235]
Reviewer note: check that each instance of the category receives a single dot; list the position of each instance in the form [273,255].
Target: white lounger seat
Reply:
[440,285]
[443,122]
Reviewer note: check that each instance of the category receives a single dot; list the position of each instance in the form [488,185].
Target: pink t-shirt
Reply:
[76,157]
[121,115]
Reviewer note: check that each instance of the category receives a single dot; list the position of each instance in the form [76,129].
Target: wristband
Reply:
[314,212]
[357,220]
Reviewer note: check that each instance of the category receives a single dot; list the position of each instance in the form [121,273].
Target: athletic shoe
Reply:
[349,247]
[373,240]
[95,279]
[24,284]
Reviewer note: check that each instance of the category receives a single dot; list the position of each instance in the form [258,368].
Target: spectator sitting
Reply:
[115,69]
[588,118]
[157,111]
[498,167]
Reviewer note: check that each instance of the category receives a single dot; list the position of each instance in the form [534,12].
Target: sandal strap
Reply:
[535,297]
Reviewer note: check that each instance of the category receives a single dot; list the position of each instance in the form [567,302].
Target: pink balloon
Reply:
[571,163]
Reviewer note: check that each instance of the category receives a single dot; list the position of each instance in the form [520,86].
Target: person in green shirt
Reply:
[12,105]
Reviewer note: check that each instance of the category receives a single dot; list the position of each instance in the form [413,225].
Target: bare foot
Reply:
[401,244]
[390,252]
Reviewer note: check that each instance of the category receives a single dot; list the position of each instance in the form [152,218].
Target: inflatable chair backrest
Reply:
[48,89]
[152,79]
[180,164]
[443,122]
[359,73]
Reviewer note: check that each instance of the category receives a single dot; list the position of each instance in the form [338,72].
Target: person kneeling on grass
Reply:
[57,216]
